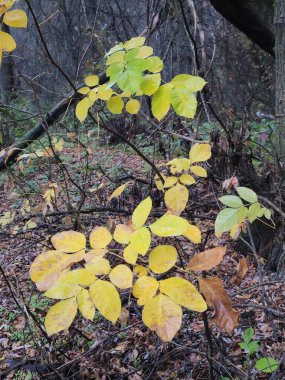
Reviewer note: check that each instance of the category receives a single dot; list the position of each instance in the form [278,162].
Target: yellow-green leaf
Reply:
[130,255]
[162,258]
[115,104]
[85,304]
[100,237]
[116,57]
[104,92]
[69,241]
[184,102]
[200,153]
[183,292]
[16,18]
[92,80]
[84,90]
[192,83]
[122,234]
[140,240]
[142,212]
[100,267]
[193,234]
[135,42]
[144,52]
[199,171]
[160,102]
[81,110]
[187,179]
[176,199]
[133,106]
[121,276]
[163,316]
[169,225]
[155,64]
[145,289]
[107,300]
[60,316]
[150,84]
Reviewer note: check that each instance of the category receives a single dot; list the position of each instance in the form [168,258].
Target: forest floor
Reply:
[128,350]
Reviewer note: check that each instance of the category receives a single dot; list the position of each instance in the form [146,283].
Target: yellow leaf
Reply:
[185,163]
[118,191]
[144,52]
[84,90]
[169,225]
[95,254]
[107,300]
[184,102]
[140,271]
[61,291]
[192,83]
[193,234]
[133,106]
[130,255]
[155,64]
[200,153]
[16,18]
[207,260]
[69,241]
[100,237]
[85,304]
[142,212]
[91,80]
[81,110]
[163,316]
[121,276]
[60,316]
[115,105]
[162,258]
[199,170]
[140,240]
[79,276]
[176,166]
[122,234]
[176,199]
[134,43]
[170,181]
[5,5]
[48,267]
[187,179]
[183,292]
[100,267]
[145,289]
[7,42]
[160,102]
[103,92]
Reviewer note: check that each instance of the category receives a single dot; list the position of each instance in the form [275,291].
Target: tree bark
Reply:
[279,21]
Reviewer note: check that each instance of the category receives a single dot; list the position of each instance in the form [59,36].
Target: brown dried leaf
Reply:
[241,271]
[206,260]
[225,316]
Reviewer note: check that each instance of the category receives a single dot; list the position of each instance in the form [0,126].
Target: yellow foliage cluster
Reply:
[16,18]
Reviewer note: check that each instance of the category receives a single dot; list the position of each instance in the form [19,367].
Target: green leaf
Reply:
[243,346]
[184,102]
[192,83]
[116,57]
[267,213]
[114,70]
[130,81]
[231,201]
[137,64]
[228,217]
[248,335]
[267,365]
[247,194]
[253,347]
[150,84]
[160,102]
[253,212]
